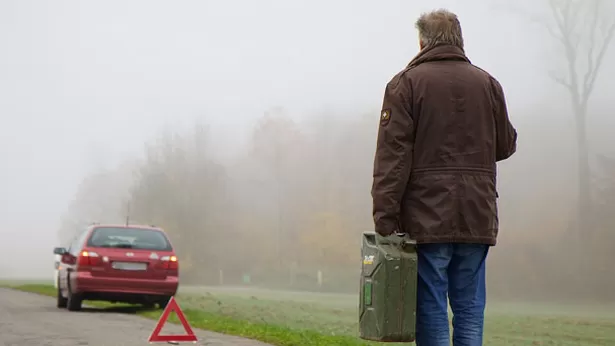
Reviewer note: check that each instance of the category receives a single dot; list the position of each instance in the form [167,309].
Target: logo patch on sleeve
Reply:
[385,117]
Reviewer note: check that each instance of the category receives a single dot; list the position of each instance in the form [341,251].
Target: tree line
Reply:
[296,199]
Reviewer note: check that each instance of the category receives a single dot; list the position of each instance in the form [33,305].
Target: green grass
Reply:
[311,319]
[14,282]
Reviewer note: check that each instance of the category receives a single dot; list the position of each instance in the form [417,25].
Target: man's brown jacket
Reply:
[444,125]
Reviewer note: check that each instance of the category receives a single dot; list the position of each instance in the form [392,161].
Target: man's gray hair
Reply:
[439,27]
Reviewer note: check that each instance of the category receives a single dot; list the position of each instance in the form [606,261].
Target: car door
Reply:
[57,261]
[75,251]
[69,261]
[63,266]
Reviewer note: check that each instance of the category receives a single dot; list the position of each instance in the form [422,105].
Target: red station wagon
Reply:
[115,263]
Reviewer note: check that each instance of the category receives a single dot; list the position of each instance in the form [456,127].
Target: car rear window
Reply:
[129,238]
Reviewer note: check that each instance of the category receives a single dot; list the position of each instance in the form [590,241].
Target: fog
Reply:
[247,130]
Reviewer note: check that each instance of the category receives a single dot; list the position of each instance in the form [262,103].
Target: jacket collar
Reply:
[439,53]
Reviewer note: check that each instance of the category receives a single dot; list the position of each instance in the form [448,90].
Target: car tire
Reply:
[162,303]
[74,300]
[61,302]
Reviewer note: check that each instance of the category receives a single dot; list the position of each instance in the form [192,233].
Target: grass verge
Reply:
[284,319]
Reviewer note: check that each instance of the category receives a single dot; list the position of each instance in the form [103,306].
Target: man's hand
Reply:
[396,239]
[384,233]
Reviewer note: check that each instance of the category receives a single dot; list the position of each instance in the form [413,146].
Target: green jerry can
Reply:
[387,308]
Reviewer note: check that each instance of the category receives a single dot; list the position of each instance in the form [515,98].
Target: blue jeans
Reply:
[456,271]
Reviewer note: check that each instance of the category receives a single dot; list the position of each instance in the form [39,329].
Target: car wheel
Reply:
[74,300]
[61,302]
[162,303]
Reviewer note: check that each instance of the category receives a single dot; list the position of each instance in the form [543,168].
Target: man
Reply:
[444,125]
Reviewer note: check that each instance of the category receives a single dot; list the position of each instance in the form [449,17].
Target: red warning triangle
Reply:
[188,337]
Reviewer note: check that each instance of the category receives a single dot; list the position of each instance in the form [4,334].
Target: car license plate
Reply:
[129,266]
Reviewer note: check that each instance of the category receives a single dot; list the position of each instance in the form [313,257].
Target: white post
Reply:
[293,273]
[319,278]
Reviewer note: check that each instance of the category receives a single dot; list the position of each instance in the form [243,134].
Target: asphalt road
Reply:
[28,319]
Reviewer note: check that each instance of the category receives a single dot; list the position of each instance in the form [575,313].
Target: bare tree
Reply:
[100,197]
[273,140]
[605,198]
[181,188]
[584,31]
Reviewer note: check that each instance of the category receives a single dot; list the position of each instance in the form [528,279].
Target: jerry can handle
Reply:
[406,239]
[398,239]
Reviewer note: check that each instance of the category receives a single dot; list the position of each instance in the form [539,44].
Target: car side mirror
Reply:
[67,258]
[59,251]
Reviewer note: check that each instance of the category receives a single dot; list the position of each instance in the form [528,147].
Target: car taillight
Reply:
[88,258]
[169,262]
